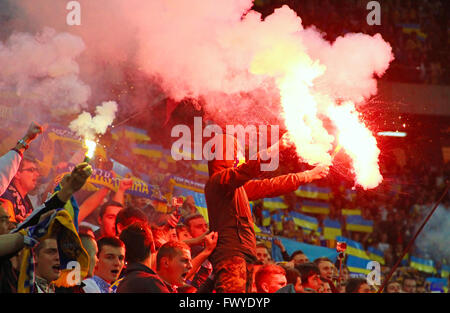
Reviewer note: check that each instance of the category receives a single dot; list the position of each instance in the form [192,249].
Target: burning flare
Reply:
[90,145]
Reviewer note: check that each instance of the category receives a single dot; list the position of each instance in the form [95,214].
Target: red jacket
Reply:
[228,192]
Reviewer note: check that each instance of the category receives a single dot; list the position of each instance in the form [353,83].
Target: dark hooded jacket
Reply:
[228,192]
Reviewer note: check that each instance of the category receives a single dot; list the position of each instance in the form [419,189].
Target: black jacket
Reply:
[139,278]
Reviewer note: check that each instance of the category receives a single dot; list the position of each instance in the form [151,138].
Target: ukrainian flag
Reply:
[149,150]
[313,192]
[136,133]
[266,218]
[350,212]
[357,265]
[331,229]
[274,203]
[437,284]
[422,265]
[278,218]
[201,168]
[315,207]
[199,199]
[409,28]
[354,248]
[305,221]
[357,223]
[130,132]
[376,255]
[445,271]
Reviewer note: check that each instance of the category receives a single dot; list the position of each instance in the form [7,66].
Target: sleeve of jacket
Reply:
[233,178]
[9,164]
[273,187]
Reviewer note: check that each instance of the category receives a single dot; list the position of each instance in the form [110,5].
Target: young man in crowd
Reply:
[10,162]
[173,263]
[23,182]
[299,257]
[310,276]
[138,276]
[409,284]
[111,259]
[326,268]
[12,243]
[270,278]
[107,219]
[48,267]
[263,254]
[230,187]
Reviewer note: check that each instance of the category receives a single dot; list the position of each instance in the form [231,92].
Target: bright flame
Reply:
[295,72]
[90,145]
[359,143]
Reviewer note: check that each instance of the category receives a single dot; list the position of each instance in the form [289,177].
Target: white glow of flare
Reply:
[90,145]
[359,144]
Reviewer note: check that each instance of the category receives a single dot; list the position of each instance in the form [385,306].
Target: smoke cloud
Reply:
[433,240]
[41,73]
[87,126]
[223,54]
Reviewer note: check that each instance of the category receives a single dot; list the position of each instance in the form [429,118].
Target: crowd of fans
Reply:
[136,248]
[417,31]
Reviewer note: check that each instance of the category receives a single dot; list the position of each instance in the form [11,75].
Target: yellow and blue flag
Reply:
[278,219]
[331,229]
[305,221]
[266,218]
[445,271]
[354,248]
[422,265]
[311,191]
[358,223]
[315,207]
[348,212]
[201,168]
[357,265]
[410,28]
[438,284]
[149,150]
[274,203]
[376,255]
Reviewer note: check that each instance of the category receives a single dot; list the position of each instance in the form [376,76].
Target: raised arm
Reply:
[9,163]
[273,187]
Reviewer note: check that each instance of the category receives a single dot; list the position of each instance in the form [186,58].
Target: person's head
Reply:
[325,287]
[293,277]
[7,216]
[183,233]
[310,276]
[196,225]
[47,261]
[393,287]
[357,285]
[409,284]
[173,262]
[128,216]
[326,267]
[27,175]
[138,240]
[90,245]
[107,218]
[298,257]
[111,258]
[227,153]
[262,253]
[269,278]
